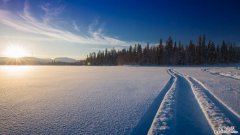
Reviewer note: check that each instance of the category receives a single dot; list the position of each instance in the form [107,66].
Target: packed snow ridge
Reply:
[163,121]
[215,116]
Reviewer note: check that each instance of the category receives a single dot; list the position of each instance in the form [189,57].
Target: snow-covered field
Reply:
[119,100]
[192,107]
[224,71]
[225,88]
[76,100]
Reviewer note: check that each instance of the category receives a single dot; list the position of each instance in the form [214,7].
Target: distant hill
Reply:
[65,60]
[36,61]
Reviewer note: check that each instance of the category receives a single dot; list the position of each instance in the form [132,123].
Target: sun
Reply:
[15,52]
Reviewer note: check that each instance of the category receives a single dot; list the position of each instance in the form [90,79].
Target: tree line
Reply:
[169,53]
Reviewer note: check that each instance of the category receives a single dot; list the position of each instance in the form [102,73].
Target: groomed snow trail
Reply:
[217,113]
[163,122]
[146,121]
[179,112]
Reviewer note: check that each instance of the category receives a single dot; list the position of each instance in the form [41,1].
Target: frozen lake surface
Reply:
[76,100]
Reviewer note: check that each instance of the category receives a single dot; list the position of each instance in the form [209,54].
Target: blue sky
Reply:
[53,28]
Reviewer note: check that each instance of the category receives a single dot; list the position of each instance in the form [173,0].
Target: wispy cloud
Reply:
[51,12]
[25,21]
[75,26]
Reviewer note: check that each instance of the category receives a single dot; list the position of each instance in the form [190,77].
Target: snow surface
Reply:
[225,72]
[180,113]
[118,100]
[76,100]
[215,111]
[225,88]
[163,122]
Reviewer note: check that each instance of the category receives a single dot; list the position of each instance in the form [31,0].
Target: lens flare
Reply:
[15,52]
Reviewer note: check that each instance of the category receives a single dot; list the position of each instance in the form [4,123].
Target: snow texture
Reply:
[163,121]
[118,100]
[225,72]
[211,106]
[224,88]
[76,100]
[179,112]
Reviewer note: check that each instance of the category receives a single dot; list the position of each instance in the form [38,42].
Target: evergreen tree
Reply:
[170,54]
[169,47]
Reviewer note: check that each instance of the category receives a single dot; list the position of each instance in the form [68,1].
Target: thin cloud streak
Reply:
[51,13]
[26,22]
[75,26]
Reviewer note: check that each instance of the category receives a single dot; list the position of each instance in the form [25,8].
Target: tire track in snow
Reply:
[179,112]
[163,122]
[189,117]
[146,121]
[217,113]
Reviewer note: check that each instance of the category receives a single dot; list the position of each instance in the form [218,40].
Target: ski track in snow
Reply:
[189,107]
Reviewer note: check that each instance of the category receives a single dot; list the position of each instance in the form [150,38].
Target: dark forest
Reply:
[169,53]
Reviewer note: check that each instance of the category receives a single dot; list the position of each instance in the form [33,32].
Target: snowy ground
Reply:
[190,107]
[225,88]
[230,72]
[119,100]
[76,100]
